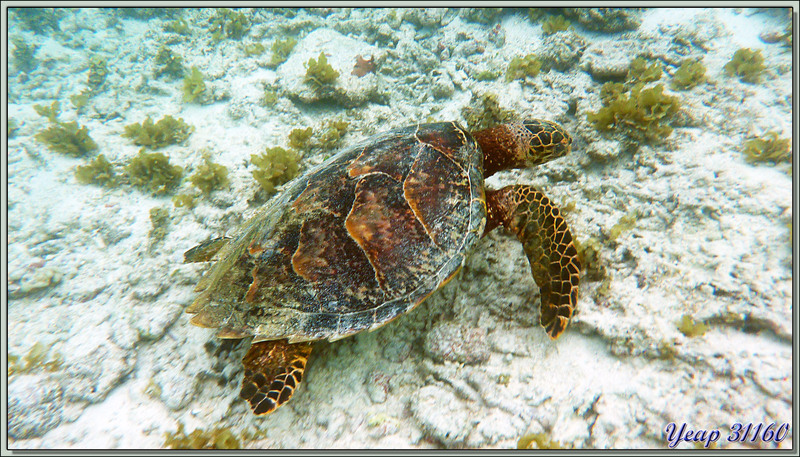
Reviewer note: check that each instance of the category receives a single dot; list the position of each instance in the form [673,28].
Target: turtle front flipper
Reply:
[272,372]
[547,242]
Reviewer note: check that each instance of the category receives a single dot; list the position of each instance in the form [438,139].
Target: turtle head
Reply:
[542,141]
[521,144]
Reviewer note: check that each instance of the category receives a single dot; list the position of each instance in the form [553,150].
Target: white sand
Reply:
[711,241]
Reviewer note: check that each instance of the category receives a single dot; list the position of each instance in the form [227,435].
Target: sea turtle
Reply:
[371,233]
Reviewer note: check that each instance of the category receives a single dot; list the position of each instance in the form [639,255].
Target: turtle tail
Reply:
[272,372]
[547,241]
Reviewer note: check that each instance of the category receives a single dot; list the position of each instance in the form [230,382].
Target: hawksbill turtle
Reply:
[372,232]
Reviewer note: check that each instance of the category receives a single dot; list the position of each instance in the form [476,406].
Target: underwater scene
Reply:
[399,228]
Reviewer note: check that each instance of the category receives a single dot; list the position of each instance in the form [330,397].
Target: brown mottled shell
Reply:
[354,242]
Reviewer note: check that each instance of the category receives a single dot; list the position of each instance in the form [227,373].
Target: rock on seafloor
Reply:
[340,51]
[685,307]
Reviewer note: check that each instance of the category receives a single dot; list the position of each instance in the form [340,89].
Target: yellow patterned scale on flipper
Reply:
[538,224]
[371,233]
[272,372]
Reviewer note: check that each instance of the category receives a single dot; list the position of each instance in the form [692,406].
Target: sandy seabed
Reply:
[685,310]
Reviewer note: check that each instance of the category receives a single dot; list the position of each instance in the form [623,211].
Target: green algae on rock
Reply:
[99,171]
[67,138]
[555,24]
[625,223]
[217,438]
[193,86]
[153,172]
[690,327]
[274,167]
[484,111]
[319,72]
[179,26]
[768,148]
[642,71]
[690,74]
[332,133]
[299,138]
[607,20]
[165,132]
[230,24]
[209,176]
[182,200]
[253,49]
[538,441]
[98,70]
[168,63]
[642,114]
[594,268]
[40,357]
[159,219]
[270,98]
[24,55]
[522,67]
[281,49]
[80,100]
[747,65]
[561,50]
[50,112]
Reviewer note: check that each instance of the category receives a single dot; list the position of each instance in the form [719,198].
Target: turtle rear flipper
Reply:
[547,242]
[272,372]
